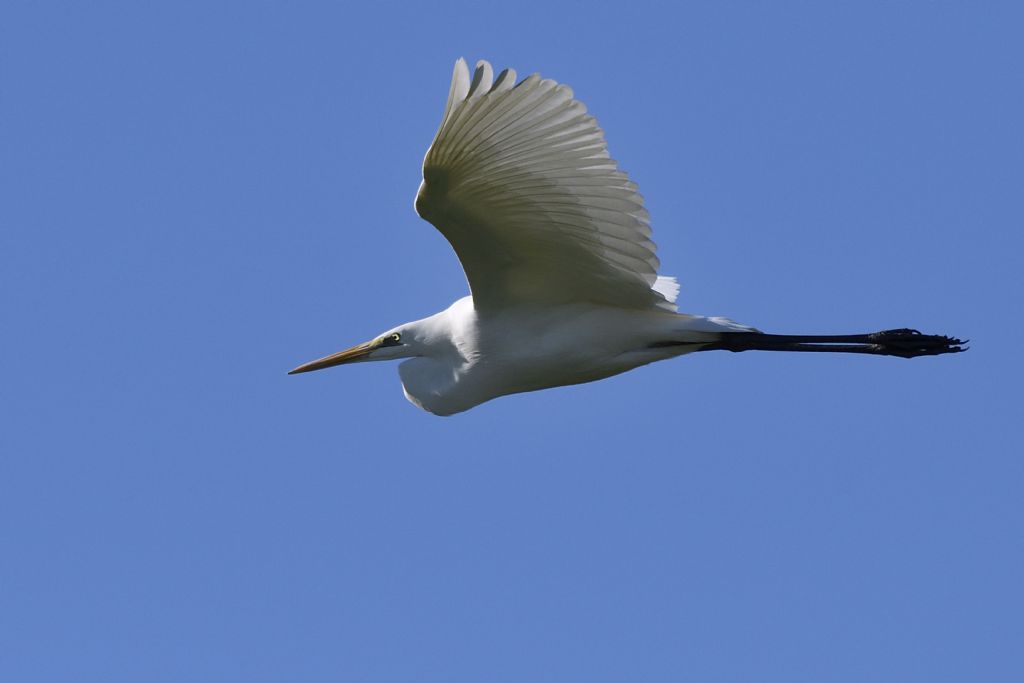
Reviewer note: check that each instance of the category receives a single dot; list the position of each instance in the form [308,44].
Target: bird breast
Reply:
[528,350]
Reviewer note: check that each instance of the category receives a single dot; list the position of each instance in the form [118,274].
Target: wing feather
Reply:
[519,180]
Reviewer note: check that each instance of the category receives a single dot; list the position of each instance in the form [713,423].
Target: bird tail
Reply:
[686,333]
[715,324]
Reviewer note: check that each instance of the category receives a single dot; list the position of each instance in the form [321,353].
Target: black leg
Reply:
[904,343]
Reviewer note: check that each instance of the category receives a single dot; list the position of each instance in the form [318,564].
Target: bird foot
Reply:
[907,343]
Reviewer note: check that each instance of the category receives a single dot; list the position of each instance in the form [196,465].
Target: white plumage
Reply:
[519,180]
[555,243]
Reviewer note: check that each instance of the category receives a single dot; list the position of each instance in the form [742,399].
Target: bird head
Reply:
[396,343]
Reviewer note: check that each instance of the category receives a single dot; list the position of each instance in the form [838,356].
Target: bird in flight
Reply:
[556,246]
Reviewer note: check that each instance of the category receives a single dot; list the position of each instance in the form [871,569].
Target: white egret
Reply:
[555,243]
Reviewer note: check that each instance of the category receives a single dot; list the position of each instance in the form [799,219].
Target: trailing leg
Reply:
[904,343]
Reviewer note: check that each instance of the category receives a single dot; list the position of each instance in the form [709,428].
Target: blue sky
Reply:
[199,196]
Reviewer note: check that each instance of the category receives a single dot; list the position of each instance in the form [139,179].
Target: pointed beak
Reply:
[340,358]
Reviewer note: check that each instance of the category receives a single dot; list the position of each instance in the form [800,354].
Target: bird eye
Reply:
[392,339]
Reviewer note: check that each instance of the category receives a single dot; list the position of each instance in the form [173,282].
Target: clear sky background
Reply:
[196,197]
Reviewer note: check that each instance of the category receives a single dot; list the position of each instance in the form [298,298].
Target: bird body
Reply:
[555,243]
[465,358]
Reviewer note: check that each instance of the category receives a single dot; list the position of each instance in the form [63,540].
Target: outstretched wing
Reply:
[518,179]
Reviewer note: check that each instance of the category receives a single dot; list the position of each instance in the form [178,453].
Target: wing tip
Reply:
[483,78]
[460,80]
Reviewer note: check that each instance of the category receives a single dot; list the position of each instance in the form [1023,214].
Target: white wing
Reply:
[518,179]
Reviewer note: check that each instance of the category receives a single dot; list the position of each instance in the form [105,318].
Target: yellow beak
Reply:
[347,356]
